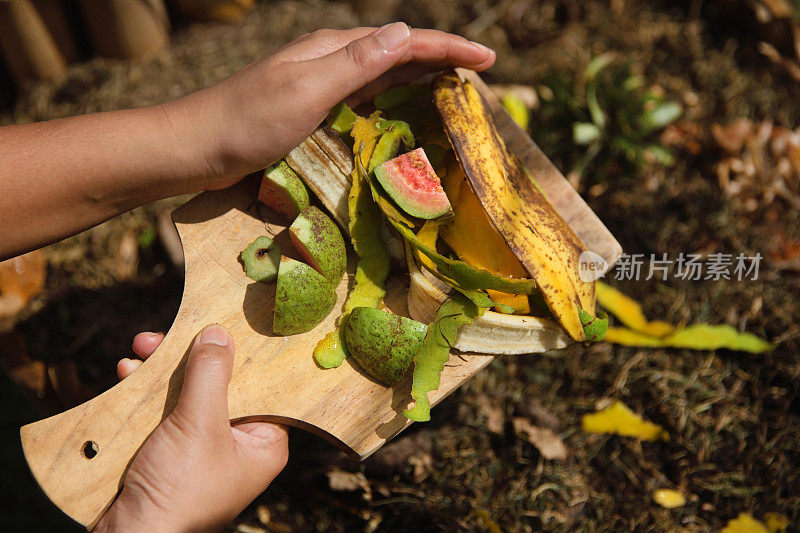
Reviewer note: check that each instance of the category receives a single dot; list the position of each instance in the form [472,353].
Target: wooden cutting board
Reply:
[80,457]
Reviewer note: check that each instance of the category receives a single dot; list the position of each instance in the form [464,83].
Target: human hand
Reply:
[256,116]
[196,472]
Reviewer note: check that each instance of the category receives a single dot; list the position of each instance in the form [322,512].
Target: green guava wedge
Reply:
[261,259]
[303,298]
[320,242]
[382,343]
[283,190]
[410,181]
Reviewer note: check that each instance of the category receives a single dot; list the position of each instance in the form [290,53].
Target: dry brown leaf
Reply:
[126,262]
[731,137]
[28,373]
[422,464]
[545,440]
[495,418]
[265,517]
[247,528]
[373,522]
[684,135]
[68,385]
[21,278]
[344,481]
[539,414]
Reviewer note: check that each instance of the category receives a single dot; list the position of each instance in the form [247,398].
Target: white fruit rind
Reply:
[492,333]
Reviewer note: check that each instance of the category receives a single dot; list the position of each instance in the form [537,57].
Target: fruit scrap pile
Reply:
[492,267]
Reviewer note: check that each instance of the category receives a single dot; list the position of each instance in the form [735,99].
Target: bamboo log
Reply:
[214,10]
[28,48]
[127,29]
[56,18]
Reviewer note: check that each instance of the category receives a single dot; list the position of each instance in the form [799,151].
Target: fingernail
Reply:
[393,36]
[485,49]
[214,334]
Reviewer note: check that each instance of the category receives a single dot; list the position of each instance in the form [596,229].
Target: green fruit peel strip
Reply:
[428,235]
[374,262]
[435,352]
[594,327]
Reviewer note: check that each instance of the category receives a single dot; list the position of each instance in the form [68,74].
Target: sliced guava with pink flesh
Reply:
[410,181]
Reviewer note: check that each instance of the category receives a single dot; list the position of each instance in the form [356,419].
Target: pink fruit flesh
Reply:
[411,182]
[304,253]
[417,170]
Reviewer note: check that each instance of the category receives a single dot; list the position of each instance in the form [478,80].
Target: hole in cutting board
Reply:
[89,449]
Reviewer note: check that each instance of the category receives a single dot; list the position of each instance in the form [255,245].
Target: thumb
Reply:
[362,60]
[204,396]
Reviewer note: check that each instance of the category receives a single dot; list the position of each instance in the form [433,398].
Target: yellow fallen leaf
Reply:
[629,312]
[776,523]
[694,337]
[620,420]
[713,337]
[744,523]
[657,333]
[486,520]
[629,337]
[668,498]
[517,109]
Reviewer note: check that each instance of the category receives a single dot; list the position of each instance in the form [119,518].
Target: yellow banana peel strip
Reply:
[618,419]
[629,312]
[536,233]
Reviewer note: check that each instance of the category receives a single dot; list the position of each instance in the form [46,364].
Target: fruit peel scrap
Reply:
[303,298]
[261,259]
[382,343]
[283,190]
[429,362]
[409,179]
[374,262]
[548,248]
[594,327]
[618,419]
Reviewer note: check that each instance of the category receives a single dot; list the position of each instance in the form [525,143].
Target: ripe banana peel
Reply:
[547,247]
[492,333]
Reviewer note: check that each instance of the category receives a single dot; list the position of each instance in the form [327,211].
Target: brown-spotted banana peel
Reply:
[540,238]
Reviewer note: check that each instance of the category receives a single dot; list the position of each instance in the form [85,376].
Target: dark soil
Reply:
[733,418]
